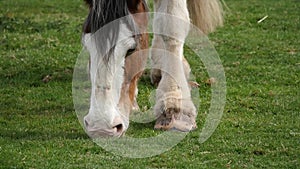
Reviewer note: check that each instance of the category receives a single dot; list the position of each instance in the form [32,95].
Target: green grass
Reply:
[259,129]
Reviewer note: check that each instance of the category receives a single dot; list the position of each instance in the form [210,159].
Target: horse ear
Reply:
[89,3]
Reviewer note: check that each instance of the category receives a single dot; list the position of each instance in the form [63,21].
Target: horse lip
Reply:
[104,133]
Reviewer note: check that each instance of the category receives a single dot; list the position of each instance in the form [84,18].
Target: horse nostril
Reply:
[119,128]
[118,125]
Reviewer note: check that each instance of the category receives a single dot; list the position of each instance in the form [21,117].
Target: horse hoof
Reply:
[175,122]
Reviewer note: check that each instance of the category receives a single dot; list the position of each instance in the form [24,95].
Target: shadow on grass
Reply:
[41,136]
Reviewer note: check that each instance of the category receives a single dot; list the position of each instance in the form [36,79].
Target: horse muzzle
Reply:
[98,130]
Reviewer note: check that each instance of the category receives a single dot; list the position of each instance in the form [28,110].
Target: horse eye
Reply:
[130,52]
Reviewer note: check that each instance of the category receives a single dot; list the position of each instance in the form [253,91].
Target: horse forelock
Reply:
[103,12]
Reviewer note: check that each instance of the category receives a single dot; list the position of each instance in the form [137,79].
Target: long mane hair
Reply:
[103,12]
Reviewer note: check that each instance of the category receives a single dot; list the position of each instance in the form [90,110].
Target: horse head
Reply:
[113,36]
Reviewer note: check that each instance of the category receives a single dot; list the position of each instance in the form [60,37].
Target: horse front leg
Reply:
[174,108]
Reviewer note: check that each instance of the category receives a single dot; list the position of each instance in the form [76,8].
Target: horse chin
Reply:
[104,134]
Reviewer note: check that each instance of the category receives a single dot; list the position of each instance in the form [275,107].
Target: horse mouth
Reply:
[116,132]
[97,132]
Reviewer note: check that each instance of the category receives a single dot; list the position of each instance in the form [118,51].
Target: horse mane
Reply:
[103,12]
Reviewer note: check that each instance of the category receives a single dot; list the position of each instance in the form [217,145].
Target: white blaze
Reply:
[107,79]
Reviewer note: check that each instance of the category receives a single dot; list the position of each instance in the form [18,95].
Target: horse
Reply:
[117,61]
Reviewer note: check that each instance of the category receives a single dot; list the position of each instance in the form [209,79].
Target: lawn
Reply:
[260,128]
